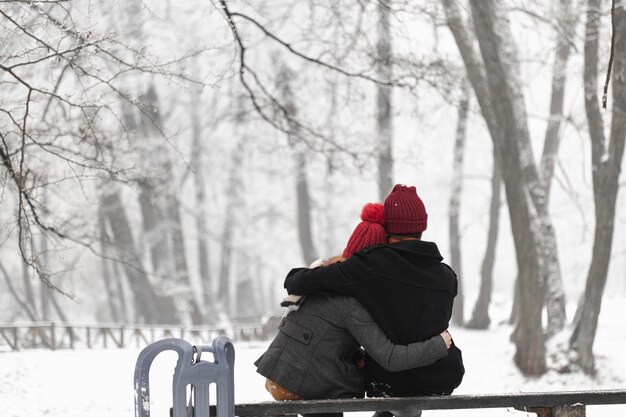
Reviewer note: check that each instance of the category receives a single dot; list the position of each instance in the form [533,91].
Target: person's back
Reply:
[411,298]
[405,287]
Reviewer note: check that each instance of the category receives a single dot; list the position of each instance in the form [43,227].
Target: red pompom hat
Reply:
[404,211]
[370,231]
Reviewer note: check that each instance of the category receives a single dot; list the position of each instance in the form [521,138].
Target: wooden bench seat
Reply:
[544,404]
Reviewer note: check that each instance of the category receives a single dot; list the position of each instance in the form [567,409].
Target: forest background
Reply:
[168,162]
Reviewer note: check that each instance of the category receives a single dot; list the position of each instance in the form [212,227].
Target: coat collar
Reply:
[418,247]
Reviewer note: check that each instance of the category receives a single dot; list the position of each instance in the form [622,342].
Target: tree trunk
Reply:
[180,259]
[606,165]
[480,315]
[554,296]
[546,247]
[123,298]
[331,243]
[474,67]
[154,230]
[29,293]
[477,77]
[248,291]
[499,56]
[545,238]
[515,309]
[455,205]
[22,303]
[566,27]
[197,165]
[304,210]
[284,80]
[148,304]
[233,198]
[168,205]
[159,246]
[154,236]
[109,286]
[384,118]
[45,292]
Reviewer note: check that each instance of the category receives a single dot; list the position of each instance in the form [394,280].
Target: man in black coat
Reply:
[405,287]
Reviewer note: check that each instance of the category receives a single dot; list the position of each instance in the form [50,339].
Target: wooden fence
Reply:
[70,336]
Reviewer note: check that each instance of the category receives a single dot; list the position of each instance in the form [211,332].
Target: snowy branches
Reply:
[332,57]
[62,81]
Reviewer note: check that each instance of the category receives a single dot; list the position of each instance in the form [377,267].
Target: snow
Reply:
[99,383]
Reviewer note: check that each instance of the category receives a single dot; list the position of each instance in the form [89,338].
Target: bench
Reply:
[192,371]
[544,404]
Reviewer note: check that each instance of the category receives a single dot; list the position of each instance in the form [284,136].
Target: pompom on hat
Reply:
[404,211]
[370,231]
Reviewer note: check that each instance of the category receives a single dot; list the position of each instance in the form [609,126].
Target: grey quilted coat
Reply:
[313,354]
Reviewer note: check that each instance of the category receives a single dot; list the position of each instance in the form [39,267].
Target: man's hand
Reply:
[446,338]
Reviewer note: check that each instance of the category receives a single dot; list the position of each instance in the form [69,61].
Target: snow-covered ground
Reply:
[98,383]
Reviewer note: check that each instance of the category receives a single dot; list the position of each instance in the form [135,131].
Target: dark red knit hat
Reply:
[404,211]
[370,231]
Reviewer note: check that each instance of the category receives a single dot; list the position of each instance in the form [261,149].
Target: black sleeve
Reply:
[455,282]
[342,277]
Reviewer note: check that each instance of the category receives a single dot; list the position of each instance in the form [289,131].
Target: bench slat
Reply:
[513,400]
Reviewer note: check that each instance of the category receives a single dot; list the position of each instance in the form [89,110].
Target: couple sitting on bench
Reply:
[389,293]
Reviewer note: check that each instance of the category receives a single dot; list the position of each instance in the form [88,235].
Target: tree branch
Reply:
[608,69]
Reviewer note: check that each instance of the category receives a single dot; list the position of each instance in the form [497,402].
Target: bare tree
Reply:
[565,27]
[169,207]
[606,158]
[63,78]
[476,75]
[384,118]
[554,297]
[338,57]
[498,54]
[304,210]
[149,306]
[24,305]
[115,299]
[284,82]
[547,256]
[233,199]
[455,203]
[480,314]
[197,165]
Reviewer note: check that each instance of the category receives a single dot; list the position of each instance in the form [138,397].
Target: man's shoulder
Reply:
[449,268]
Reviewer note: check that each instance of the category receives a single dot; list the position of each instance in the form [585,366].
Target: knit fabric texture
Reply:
[404,211]
[370,231]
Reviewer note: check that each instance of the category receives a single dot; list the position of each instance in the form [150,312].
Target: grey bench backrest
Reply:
[199,374]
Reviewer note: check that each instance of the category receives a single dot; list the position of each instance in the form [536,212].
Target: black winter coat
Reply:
[410,293]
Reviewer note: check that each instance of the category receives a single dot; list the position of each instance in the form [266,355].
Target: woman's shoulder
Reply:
[333,308]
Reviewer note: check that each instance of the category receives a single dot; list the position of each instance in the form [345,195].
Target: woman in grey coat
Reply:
[316,353]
